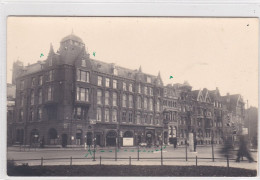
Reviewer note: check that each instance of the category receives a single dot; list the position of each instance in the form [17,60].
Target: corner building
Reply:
[70,99]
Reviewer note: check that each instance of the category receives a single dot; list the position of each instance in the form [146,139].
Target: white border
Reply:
[238,8]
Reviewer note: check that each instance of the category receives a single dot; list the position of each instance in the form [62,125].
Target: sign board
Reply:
[191,142]
[92,121]
[128,141]
[245,131]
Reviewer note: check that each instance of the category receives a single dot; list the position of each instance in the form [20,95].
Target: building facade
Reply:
[70,99]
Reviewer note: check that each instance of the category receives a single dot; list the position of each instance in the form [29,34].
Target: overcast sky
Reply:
[207,52]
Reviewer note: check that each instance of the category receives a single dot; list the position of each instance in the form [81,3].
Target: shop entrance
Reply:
[111,138]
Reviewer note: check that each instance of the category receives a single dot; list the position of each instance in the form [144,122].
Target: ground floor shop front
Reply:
[72,134]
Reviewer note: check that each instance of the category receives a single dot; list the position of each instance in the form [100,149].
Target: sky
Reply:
[206,52]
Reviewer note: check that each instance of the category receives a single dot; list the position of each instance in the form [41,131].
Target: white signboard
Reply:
[245,131]
[128,141]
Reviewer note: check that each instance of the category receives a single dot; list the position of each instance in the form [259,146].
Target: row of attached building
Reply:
[70,99]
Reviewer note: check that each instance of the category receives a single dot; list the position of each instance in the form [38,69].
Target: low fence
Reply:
[129,160]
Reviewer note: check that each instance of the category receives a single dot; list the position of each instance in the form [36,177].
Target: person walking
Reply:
[243,151]
[195,144]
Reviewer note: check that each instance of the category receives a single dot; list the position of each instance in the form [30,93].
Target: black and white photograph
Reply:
[132,96]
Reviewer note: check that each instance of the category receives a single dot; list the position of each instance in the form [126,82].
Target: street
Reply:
[82,156]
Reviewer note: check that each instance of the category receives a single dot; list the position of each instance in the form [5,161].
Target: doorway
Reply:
[111,138]
[64,139]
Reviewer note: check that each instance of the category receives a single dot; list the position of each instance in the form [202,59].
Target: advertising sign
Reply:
[245,131]
[128,141]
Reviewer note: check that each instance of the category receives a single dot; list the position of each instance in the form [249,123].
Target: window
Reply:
[131,101]
[114,116]
[145,118]
[149,80]
[145,90]
[139,88]
[107,82]
[99,114]
[40,96]
[82,94]
[40,80]
[124,100]
[83,63]
[106,115]
[115,84]
[124,116]
[151,104]
[138,119]
[158,105]
[33,81]
[50,75]
[145,103]
[130,117]
[139,102]
[78,113]
[151,119]
[82,76]
[151,91]
[130,87]
[124,86]
[21,99]
[22,85]
[164,92]
[32,98]
[21,115]
[39,114]
[49,93]
[99,96]
[31,117]
[157,119]
[107,98]
[99,81]
[114,99]
[115,71]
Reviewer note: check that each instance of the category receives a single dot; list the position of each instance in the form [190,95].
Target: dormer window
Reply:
[149,80]
[99,65]
[115,72]
[83,63]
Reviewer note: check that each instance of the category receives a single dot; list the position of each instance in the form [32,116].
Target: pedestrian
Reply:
[195,144]
[243,151]
[43,142]
[175,143]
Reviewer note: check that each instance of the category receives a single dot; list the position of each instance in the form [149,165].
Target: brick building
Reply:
[70,99]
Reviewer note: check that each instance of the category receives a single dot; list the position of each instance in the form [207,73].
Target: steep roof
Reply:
[72,37]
